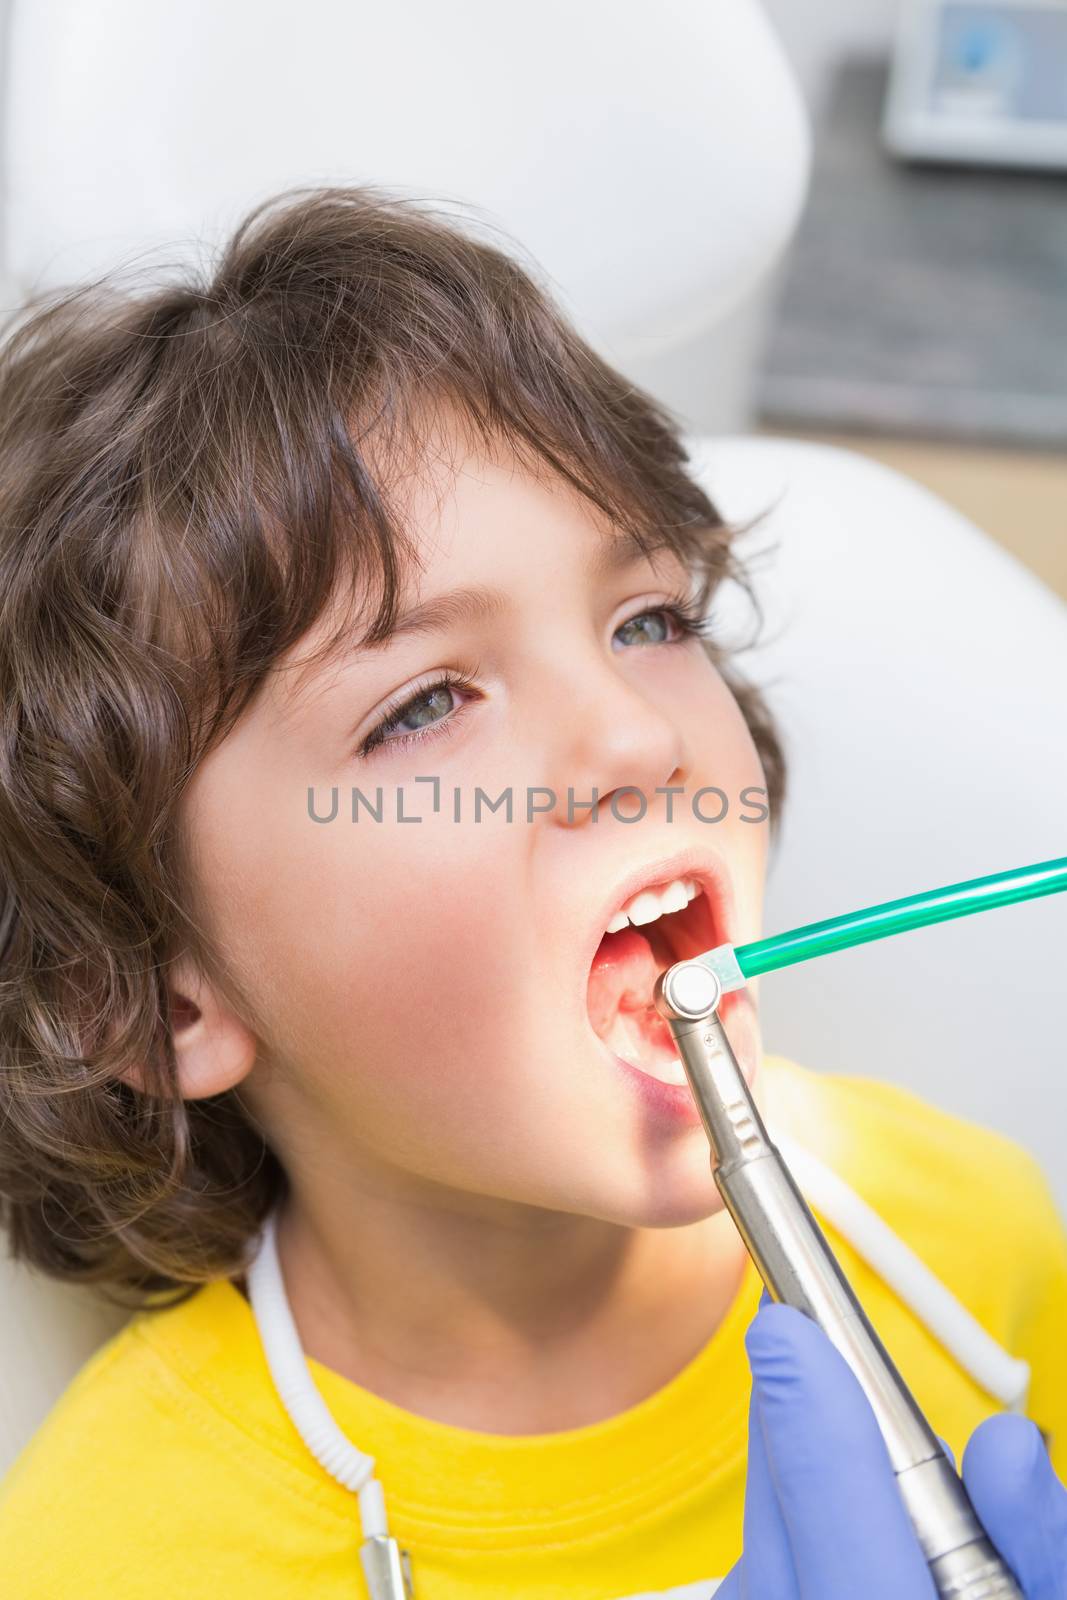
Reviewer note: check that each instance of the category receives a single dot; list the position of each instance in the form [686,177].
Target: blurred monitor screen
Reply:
[980,82]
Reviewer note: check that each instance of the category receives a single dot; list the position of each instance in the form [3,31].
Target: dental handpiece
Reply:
[799,1269]
[781,1234]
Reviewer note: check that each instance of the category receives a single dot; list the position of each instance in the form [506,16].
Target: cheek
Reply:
[732,762]
[387,945]
[735,739]
[719,739]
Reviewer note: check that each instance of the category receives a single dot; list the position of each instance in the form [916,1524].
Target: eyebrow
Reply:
[480,604]
[475,604]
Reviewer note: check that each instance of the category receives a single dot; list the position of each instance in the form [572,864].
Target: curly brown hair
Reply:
[185,480]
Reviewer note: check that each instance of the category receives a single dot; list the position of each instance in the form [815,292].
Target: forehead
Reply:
[451,476]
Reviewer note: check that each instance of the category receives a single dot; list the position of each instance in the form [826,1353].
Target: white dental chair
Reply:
[654,166]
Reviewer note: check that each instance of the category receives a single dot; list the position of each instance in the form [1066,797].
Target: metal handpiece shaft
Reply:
[799,1269]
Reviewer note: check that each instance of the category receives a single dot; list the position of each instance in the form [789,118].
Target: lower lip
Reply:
[672,1102]
[675,1102]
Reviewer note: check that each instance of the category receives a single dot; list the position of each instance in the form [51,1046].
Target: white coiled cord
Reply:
[296,1387]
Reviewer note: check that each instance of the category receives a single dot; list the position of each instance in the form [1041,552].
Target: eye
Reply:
[420,715]
[653,626]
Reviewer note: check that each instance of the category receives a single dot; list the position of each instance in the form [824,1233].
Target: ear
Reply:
[215,1049]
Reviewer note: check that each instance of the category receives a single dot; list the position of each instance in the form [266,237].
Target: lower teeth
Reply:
[621,1009]
[641,1036]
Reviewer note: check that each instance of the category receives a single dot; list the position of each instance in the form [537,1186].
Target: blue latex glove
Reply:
[823,1516]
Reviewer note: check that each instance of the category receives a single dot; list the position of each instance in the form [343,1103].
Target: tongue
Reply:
[619,999]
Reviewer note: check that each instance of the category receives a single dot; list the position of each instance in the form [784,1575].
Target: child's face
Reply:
[423,987]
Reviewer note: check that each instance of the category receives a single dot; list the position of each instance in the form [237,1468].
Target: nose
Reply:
[613,738]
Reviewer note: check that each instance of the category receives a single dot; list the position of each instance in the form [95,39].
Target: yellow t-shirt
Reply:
[170,1467]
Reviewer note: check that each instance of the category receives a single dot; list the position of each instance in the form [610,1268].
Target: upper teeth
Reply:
[652,903]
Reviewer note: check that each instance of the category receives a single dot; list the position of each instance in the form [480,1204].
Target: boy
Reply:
[298,563]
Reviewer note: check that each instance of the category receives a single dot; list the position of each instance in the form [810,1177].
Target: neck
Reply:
[496,1318]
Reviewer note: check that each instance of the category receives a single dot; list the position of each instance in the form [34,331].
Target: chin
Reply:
[684,1211]
[669,1193]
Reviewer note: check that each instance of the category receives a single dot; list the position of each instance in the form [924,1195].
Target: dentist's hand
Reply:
[823,1516]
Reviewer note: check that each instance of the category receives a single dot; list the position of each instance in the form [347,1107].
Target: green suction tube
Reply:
[897,916]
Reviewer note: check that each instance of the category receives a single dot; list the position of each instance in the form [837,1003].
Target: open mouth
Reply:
[667,923]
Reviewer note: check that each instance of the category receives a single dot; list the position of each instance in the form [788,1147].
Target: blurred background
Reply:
[922,314]
[919,314]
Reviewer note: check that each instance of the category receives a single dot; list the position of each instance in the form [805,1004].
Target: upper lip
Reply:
[705,867]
